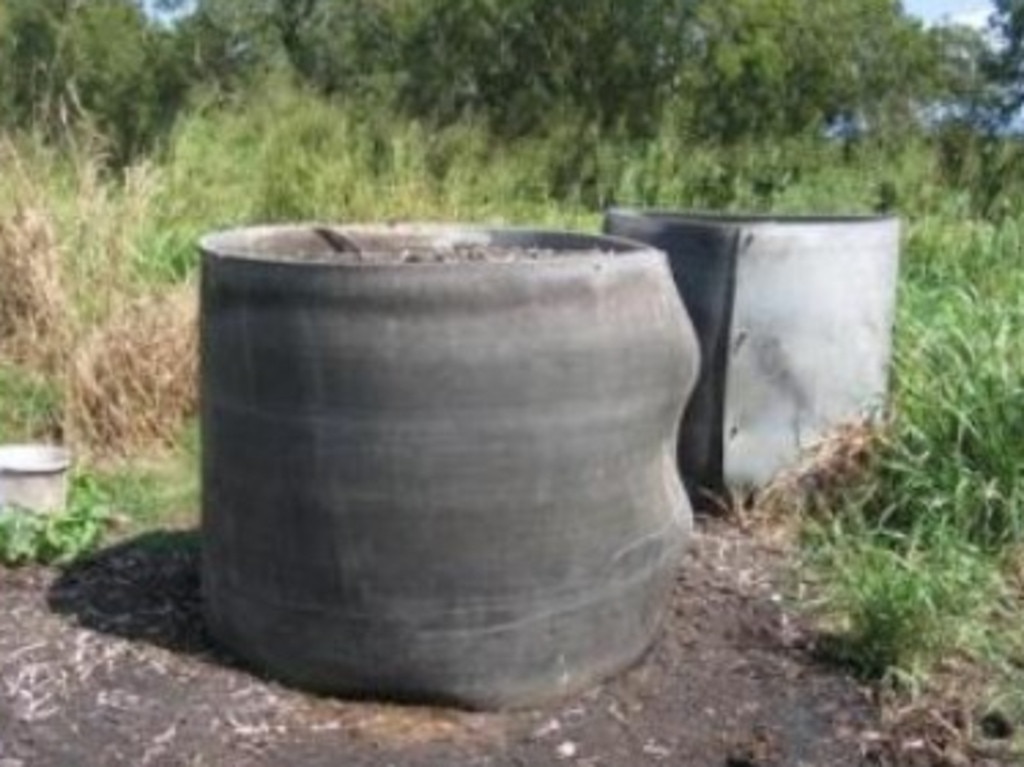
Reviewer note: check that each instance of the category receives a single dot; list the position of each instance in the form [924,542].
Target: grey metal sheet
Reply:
[794,318]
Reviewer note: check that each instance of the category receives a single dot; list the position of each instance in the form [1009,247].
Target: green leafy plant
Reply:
[27,537]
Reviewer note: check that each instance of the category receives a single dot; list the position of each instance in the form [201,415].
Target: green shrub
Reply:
[59,537]
[894,605]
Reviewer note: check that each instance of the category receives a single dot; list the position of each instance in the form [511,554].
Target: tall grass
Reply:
[915,557]
[76,309]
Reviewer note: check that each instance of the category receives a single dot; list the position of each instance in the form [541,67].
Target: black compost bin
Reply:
[794,317]
[439,461]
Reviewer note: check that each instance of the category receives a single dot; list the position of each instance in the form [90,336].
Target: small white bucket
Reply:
[34,477]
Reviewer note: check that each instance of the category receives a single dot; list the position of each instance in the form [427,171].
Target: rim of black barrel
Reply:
[234,244]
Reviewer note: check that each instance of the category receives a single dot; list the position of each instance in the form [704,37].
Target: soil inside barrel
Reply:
[399,246]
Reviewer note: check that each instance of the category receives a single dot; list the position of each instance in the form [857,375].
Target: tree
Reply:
[30,35]
[335,46]
[725,70]
[521,63]
[516,63]
[122,72]
[1005,65]
[782,67]
[102,61]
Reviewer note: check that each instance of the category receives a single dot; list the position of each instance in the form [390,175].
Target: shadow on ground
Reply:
[142,589]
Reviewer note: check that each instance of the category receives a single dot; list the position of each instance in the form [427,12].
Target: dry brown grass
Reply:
[842,456]
[814,483]
[949,721]
[132,379]
[34,319]
[73,309]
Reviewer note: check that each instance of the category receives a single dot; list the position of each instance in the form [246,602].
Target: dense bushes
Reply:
[101,64]
[721,90]
[715,71]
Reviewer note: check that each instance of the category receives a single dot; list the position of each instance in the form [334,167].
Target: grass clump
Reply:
[57,537]
[30,406]
[913,557]
[895,607]
[83,311]
[33,301]
[133,378]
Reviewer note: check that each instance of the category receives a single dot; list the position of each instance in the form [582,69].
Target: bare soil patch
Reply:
[108,664]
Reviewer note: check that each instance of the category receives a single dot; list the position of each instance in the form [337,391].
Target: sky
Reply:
[971,12]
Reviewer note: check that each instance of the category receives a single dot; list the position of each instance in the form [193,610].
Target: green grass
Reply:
[897,604]
[30,405]
[912,561]
[148,495]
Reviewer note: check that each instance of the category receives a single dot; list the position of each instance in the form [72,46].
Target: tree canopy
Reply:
[721,70]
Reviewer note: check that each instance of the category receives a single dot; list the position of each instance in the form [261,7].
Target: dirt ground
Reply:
[107,664]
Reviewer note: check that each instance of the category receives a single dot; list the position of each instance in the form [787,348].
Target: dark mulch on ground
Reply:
[107,664]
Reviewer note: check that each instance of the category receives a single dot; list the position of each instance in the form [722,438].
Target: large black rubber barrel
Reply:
[794,317]
[439,462]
